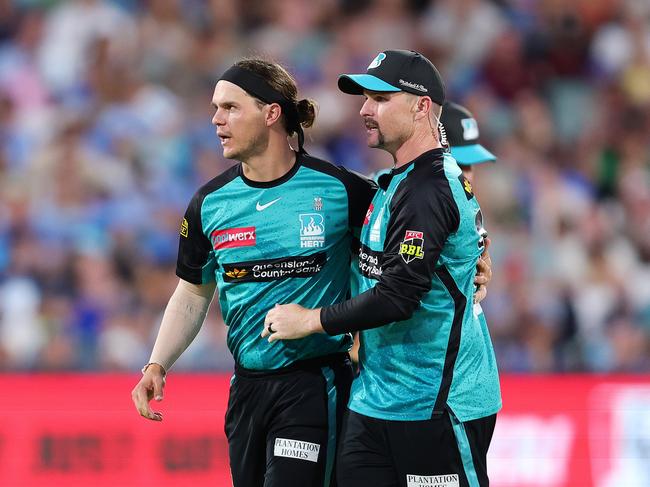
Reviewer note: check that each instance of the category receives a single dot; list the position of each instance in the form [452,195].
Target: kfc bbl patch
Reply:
[412,247]
[467,186]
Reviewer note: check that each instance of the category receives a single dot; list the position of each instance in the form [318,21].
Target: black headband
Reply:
[255,85]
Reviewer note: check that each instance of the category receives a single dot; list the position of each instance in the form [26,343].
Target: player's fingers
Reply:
[487,243]
[480,279]
[480,294]
[146,412]
[268,328]
[488,267]
[152,415]
[485,263]
[269,316]
[487,259]
[139,397]
[481,266]
[158,387]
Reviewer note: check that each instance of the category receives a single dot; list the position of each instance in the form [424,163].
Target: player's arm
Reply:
[428,210]
[182,320]
[422,207]
[186,309]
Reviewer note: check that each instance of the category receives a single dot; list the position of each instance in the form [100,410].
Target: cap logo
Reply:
[377,61]
[470,128]
[413,86]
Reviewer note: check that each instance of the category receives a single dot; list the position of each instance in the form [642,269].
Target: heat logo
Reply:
[312,230]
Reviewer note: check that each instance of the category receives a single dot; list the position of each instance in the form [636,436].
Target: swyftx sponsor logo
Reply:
[274,269]
[450,480]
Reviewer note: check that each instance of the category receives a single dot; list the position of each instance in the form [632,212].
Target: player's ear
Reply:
[422,107]
[273,113]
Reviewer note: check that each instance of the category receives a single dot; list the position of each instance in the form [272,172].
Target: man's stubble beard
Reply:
[256,146]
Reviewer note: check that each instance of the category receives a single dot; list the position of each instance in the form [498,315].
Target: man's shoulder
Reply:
[427,172]
[218,182]
[326,167]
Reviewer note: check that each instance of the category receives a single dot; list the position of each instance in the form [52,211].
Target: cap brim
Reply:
[354,84]
[472,154]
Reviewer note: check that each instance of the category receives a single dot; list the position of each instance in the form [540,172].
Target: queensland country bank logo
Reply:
[235,274]
[233,237]
[412,247]
[312,230]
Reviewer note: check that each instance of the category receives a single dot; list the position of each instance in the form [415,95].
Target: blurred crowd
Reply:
[105,134]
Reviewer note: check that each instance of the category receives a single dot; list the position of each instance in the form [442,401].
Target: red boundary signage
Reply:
[82,430]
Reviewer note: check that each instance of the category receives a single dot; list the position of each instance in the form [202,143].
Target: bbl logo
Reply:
[318,203]
[412,247]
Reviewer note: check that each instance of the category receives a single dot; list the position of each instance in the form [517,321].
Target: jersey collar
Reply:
[275,182]
[431,155]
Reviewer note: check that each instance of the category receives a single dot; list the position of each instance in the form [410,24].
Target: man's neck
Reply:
[276,161]
[414,147]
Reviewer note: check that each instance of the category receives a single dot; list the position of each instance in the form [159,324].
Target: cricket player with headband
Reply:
[278,226]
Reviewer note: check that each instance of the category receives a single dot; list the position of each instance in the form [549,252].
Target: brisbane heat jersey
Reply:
[284,241]
[423,347]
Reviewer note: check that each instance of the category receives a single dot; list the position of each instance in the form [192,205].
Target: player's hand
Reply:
[150,387]
[290,322]
[483,273]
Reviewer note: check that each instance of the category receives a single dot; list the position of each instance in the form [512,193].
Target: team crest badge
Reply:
[412,247]
[470,128]
[377,61]
[312,230]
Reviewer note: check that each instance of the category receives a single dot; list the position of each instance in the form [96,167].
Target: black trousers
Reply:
[441,452]
[282,426]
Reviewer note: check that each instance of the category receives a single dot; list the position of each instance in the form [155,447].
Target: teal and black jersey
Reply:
[422,349]
[285,241]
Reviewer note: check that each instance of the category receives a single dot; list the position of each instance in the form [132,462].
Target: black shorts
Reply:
[440,452]
[282,426]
